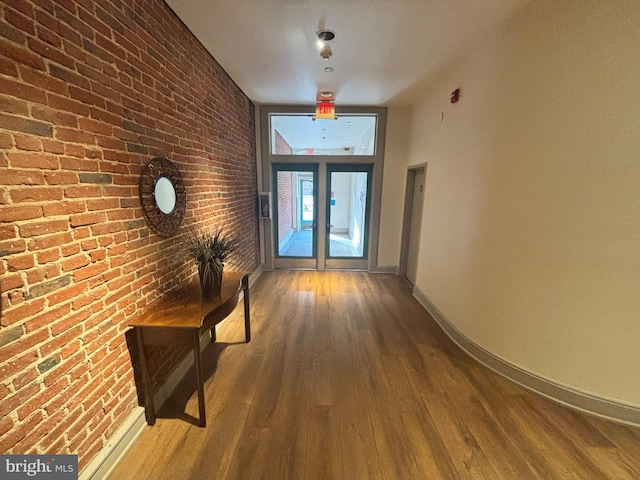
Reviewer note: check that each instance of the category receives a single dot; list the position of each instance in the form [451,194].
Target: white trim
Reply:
[559,393]
[383,269]
[105,462]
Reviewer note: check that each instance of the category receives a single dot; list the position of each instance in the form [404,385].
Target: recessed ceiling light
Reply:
[326,94]
[326,35]
[328,69]
[348,122]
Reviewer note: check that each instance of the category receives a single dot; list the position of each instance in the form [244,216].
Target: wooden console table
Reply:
[182,319]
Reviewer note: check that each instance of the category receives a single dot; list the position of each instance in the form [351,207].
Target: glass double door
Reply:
[321,214]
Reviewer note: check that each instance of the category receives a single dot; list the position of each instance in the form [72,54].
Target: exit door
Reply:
[347,206]
[295,215]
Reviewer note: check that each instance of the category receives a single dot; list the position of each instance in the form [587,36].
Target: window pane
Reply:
[347,214]
[301,135]
[295,213]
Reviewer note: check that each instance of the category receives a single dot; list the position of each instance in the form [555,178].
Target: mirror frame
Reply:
[164,224]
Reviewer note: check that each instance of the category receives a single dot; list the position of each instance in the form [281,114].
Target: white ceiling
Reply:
[382,47]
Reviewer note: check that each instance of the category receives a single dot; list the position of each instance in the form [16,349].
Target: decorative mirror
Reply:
[162,196]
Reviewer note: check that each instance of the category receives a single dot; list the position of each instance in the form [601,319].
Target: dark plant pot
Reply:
[210,282]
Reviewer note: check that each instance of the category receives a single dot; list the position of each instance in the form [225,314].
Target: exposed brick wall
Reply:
[89,92]
[285,209]
[285,212]
[282,147]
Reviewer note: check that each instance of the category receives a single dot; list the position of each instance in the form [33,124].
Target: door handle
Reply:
[329,227]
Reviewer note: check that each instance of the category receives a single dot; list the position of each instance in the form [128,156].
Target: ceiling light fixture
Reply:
[325,36]
[326,53]
[328,69]
[326,94]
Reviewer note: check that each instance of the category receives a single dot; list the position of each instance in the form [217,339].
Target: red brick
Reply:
[75,136]
[49,241]
[67,293]
[6,424]
[70,249]
[46,318]
[33,194]
[55,116]
[6,140]
[21,55]
[16,213]
[20,90]
[48,256]
[21,262]
[8,67]
[83,191]
[52,146]
[18,399]
[16,365]
[14,105]
[89,244]
[103,204]
[25,378]
[24,142]
[75,262]
[22,177]
[45,81]
[96,126]
[48,36]
[89,271]
[34,160]
[63,208]
[92,296]
[11,282]
[20,21]
[33,441]
[67,105]
[61,178]
[11,442]
[8,232]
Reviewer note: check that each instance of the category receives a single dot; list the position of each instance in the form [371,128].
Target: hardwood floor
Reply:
[347,377]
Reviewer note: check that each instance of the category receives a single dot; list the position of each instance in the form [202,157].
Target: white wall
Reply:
[396,156]
[341,212]
[531,229]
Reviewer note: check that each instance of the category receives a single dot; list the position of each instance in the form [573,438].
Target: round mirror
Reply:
[165,195]
[162,196]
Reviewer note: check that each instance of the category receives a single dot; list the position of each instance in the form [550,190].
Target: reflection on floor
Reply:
[300,245]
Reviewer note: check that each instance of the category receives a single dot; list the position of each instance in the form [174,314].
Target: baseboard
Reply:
[103,464]
[384,269]
[562,394]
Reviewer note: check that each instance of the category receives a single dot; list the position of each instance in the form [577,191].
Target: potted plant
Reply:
[210,250]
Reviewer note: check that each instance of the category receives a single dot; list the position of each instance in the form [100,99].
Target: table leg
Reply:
[197,357]
[149,407]
[247,309]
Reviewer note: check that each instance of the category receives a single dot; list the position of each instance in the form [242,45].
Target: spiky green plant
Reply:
[210,251]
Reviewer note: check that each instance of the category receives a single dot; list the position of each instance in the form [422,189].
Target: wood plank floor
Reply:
[347,377]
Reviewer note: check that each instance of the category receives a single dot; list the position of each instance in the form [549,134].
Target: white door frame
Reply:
[266,158]
[406,218]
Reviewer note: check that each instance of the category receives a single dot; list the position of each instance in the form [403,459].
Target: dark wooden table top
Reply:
[185,308]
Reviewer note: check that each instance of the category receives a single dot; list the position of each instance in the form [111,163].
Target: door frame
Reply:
[348,263]
[266,160]
[296,262]
[406,217]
